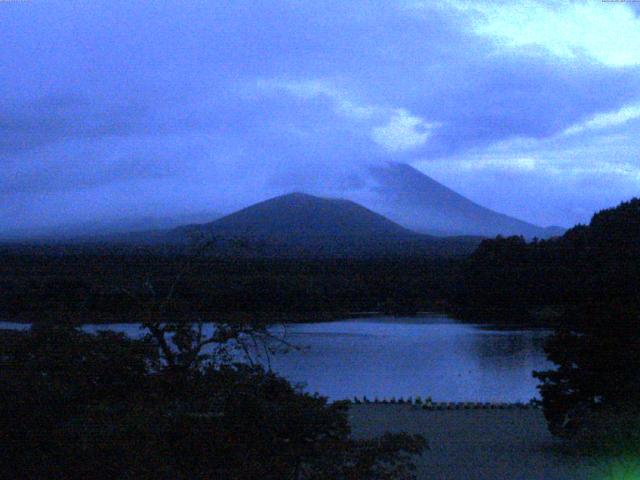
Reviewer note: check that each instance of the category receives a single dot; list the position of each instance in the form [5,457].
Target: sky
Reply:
[119,109]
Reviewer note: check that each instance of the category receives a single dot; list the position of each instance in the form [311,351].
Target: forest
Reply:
[506,279]
[598,263]
[587,284]
[106,287]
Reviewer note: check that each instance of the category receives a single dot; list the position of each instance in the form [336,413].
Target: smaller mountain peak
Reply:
[305,198]
[297,195]
[300,215]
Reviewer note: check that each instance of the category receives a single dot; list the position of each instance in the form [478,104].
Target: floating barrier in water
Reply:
[428,404]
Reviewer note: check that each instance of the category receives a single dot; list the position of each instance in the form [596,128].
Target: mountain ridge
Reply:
[417,201]
[303,214]
[300,224]
[408,198]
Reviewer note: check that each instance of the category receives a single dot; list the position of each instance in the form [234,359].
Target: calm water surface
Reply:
[401,357]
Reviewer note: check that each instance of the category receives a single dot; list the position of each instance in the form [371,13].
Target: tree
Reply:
[75,405]
[53,380]
[597,353]
[176,404]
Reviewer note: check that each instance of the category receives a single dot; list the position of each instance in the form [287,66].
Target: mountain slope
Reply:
[416,201]
[299,224]
[302,215]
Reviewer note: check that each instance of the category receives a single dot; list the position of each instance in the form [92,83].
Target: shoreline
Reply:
[281,318]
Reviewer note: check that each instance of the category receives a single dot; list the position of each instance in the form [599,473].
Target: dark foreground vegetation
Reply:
[78,406]
[88,400]
[588,283]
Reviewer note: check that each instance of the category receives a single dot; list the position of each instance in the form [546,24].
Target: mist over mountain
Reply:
[409,199]
[418,202]
[404,195]
[106,228]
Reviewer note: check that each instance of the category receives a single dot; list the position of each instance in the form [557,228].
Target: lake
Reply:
[386,357]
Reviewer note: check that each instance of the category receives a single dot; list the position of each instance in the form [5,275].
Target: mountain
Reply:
[299,224]
[303,215]
[416,201]
[399,192]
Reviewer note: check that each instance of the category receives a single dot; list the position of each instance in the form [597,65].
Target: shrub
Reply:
[597,355]
[74,405]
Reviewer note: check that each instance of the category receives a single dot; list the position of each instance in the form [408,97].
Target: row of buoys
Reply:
[428,404]
[479,405]
[417,401]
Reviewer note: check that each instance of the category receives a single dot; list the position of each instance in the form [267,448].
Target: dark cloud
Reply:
[51,119]
[522,97]
[98,94]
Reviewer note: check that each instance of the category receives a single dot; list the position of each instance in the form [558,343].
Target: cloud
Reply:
[606,120]
[42,121]
[607,32]
[491,162]
[403,132]
[49,119]
[395,129]
[561,179]
[229,102]
[343,103]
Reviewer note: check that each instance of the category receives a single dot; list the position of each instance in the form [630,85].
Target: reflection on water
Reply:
[401,357]
[432,356]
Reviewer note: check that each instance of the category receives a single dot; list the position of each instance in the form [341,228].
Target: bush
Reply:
[598,368]
[74,405]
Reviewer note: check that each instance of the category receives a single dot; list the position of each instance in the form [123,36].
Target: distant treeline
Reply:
[504,279]
[597,263]
[102,287]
